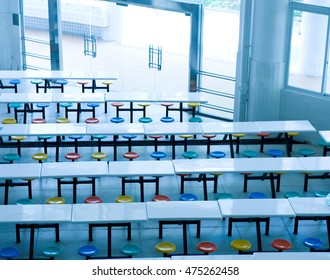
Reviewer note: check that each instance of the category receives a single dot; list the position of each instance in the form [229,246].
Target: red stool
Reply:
[72,156]
[206,247]
[83,84]
[160,197]
[208,138]
[281,244]
[131,155]
[93,199]
[91,120]
[262,136]
[38,120]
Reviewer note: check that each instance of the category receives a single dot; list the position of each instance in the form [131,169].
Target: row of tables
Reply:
[178,212]
[147,168]
[158,129]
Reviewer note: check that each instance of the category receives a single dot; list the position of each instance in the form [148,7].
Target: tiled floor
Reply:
[146,234]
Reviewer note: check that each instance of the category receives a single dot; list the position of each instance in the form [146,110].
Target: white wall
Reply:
[10,47]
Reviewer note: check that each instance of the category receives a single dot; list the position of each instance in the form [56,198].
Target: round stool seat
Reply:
[11,157]
[82,82]
[9,121]
[87,251]
[263,134]
[129,136]
[15,82]
[166,104]
[43,105]
[38,120]
[91,120]
[72,156]
[61,81]
[107,82]
[24,201]
[223,196]
[76,137]
[249,154]
[40,156]
[188,197]
[239,135]
[305,152]
[18,138]
[323,143]
[9,253]
[93,199]
[99,155]
[241,244]
[275,153]
[155,136]
[209,136]
[321,193]
[257,195]
[293,133]
[52,251]
[37,81]
[56,200]
[99,136]
[144,104]
[15,105]
[312,242]
[190,155]
[124,199]
[291,194]
[130,250]
[165,247]
[62,120]
[206,247]
[160,197]
[186,136]
[117,120]
[195,119]
[281,244]
[167,119]
[158,155]
[131,155]
[45,137]
[194,104]
[66,104]
[145,120]
[117,104]
[218,154]
[93,105]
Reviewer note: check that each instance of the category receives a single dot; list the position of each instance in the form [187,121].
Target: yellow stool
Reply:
[99,156]
[9,121]
[124,199]
[62,120]
[185,137]
[144,118]
[241,245]
[165,248]
[40,157]
[107,84]
[194,105]
[238,136]
[55,200]
[18,139]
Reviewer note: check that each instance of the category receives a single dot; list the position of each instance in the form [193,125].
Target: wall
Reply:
[10,52]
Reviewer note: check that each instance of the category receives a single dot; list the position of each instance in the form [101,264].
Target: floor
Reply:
[146,234]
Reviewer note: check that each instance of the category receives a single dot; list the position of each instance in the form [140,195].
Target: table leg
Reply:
[57,148]
[141,188]
[258,235]
[31,242]
[204,186]
[327,219]
[287,144]
[109,240]
[131,111]
[185,238]
[181,112]
[115,137]
[272,184]
[231,146]
[172,139]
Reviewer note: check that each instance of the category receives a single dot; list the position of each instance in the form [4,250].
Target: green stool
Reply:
[223,196]
[190,154]
[291,194]
[249,154]
[52,252]
[305,152]
[130,250]
[321,193]
[11,157]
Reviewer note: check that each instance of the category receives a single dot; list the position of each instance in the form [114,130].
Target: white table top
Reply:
[230,127]
[129,97]
[20,170]
[184,97]
[10,74]
[325,134]
[141,168]
[36,213]
[183,210]
[13,129]
[286,164]
[74,169]
[291,256]
[115,128]
[172,129]
[46,74]
[316,164]
[97,75]
[109,212]
[310,206]
[285,126]
[26,98]
[56,129]
[214,257]
[78,97]
[247,208]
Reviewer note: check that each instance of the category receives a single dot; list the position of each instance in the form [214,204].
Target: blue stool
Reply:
[15,106]
[188,197]
[167,119]
[117,120]
[158,155]
[195,119]
[129,137]
[257,195]
[42,107]
[37,83]
[88,251]
[65,105]
[326,147]
[91,105]
[9,253]
[14,83]
[76,138]
[312,243]
[44,138]
[130,250]
[275,153]
[61,83]
[99,138]
[218,154]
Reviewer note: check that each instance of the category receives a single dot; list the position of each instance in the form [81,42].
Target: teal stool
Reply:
[15,83]
[65,105]
[11,157]
[249,153]
[291,194]
[9,253]
[44,138]
[24,201]
[88,251]
[52,252]
[305,152]
[145,120]
[15,106]
[223,196]
[195,119]
[326,146]
[130,250]
[190,155]
[99,138]
[37,83]
[321,193]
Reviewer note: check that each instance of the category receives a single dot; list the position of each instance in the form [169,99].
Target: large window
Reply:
[308,67]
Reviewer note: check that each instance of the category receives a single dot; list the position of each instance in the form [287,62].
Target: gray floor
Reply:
[146,234]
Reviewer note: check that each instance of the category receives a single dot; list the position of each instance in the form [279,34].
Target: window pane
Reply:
[307,51]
